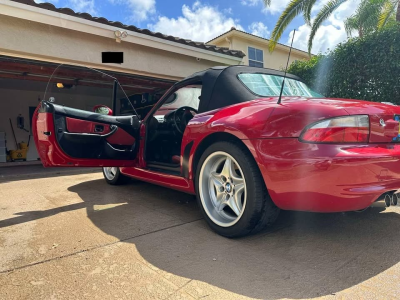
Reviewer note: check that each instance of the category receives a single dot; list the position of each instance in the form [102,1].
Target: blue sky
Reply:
[201,20]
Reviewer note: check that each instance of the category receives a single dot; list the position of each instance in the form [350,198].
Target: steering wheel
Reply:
[182,116]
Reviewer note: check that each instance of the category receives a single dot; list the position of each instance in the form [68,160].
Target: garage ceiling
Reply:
[22,69]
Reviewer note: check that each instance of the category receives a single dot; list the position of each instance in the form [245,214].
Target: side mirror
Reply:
[103,110]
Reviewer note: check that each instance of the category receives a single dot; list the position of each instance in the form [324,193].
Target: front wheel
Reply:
[113,176]
[231,191]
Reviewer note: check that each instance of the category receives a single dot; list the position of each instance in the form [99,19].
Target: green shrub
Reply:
[365,68]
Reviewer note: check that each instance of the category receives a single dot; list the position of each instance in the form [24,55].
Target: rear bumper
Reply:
[326,178]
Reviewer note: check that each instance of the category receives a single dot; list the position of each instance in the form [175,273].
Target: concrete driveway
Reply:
[72,236]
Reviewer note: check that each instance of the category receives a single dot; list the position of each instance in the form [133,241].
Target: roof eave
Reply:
[249,36]
[48,9]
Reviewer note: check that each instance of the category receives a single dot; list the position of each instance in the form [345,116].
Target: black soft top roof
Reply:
[221,86]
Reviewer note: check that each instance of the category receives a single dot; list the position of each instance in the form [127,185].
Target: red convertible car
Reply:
[222,135]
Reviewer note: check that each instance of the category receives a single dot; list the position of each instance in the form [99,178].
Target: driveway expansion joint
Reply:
[93,248]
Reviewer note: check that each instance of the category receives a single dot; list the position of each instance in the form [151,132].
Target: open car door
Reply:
[92,135]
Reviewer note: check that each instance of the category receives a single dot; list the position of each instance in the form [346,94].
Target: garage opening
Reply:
[24,83]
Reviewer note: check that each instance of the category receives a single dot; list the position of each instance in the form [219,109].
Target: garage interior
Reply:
[24,83]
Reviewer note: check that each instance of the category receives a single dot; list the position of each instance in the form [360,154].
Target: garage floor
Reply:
[73,236]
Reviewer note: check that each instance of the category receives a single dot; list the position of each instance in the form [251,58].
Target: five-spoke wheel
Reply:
[110,172]
[231,191]
[114,176]
[222,188]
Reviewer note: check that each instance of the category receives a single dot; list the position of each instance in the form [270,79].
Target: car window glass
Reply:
[187,96]
[270,85]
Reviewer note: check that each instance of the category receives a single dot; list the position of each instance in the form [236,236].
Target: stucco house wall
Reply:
[275,60]
[236,39]
[27,39]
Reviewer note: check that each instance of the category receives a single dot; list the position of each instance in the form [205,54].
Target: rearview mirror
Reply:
[103,110]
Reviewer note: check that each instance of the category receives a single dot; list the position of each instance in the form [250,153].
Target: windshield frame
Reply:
[318,95]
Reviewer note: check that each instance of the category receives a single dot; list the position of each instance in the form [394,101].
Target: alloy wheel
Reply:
[222,189]
[110,172]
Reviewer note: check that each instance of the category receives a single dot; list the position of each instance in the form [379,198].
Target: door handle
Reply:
[98,128]
[88,135]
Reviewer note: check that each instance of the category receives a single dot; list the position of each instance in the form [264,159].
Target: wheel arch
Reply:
[209,140]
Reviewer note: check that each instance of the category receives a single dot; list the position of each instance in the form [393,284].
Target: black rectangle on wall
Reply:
[112,57]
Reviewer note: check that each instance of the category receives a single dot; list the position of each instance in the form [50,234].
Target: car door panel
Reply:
[120,137]
[71,137]
[83,126]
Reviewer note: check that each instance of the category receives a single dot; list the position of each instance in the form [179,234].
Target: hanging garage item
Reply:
[21,123]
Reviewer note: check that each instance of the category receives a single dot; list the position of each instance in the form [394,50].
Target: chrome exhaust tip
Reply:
[388,200]
[395,199]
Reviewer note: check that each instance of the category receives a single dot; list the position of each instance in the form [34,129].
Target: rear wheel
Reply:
[231,192]
[113,176]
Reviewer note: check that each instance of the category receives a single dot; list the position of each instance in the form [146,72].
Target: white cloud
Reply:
[199,23]
[87,6]
[331,33]
[250,2]
[140,9]
[259,29]
[327,37]
[276,7]
[228,11]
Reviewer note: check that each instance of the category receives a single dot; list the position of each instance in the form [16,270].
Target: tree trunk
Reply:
[398,12]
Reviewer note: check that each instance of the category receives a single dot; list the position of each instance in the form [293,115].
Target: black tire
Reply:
[118,179]
[260,211]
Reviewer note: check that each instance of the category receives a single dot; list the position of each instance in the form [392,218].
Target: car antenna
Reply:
[287,65]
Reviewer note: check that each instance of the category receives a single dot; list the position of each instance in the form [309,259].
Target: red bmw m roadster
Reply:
[222,135]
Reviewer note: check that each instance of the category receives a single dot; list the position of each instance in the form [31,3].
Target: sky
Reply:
[202,20]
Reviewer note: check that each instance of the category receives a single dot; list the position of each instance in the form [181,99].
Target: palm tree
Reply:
[389,12]
[398,13]
[368,16]
[297,7]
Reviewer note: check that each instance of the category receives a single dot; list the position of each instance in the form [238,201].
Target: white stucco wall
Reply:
[276,60]
[241,41]
[29,39]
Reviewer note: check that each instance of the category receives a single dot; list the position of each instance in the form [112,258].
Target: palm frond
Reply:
[388,11]
[294,8]
[323,15]
[369,12]
[307,11]
[351,24]
[267,2]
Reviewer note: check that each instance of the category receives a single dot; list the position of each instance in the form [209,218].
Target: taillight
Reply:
[349,129]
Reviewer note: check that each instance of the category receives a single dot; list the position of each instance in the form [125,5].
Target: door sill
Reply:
[172,169]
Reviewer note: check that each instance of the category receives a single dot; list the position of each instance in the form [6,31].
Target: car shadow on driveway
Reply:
[304,255]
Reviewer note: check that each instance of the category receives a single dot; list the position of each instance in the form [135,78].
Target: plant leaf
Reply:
[294,8]
[323,15]
[307,11]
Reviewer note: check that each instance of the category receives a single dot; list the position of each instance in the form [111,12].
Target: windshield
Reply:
[270,85]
